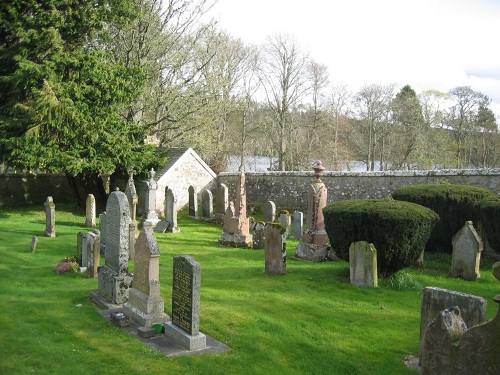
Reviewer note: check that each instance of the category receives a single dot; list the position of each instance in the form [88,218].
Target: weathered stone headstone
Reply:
[314,245]
[472,308]
[466,256]
[259,235]
[286,220]
[171,212]
[102,229]
[150,215]
[114,280]
[162,227]
[275,249]
[193,202]
[93,253]
[269,212]
[145,305]
[206,204]
[90,211]
[236,229]
[185,325]
[50,218]
[133,200]
[363,264]
[298,224]
[221,202]
[439,348]
[34,243]
[495,270]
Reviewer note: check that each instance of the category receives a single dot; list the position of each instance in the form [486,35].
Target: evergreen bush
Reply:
[399,230]
[490,219]
[455,204]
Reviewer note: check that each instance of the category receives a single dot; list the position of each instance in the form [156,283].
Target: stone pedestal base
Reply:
[195,342]
[112,286]
[236,240]
[144,310]
[314,253]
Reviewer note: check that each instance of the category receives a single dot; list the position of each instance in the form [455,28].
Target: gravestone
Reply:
[259,235]
[206,204]
[34,243]
[286,220]
[472,308]
[298,224]
[314,245]
[93,253]
[275,249]
[150,215]
[114,280]
[145,305]
[171,212]
[193,202]
[466,256]
[102,229]
[363,264]
[236,228]
[221,202]
[440,343]
[90,211]
[50,218]
[81,249]
[133,200]
[269,212]
[185,325]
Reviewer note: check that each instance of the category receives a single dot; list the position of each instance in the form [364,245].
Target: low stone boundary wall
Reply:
[288,189]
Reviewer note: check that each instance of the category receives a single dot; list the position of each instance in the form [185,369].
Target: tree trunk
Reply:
[87,183]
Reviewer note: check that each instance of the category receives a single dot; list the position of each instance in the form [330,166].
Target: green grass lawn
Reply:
[311,321]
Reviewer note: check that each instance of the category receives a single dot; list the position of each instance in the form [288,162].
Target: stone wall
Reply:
[32,189]
[288,189]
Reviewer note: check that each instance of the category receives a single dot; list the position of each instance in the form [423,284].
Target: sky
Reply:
[428,44]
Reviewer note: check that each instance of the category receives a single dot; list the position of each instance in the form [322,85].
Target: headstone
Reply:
[236,229]
[81,249]
[495,270]
[269,212]
[314,245]
[50,218]
[150,215]
[206,204]
[259,235]
[162,226]
[298,224]
[93,254]
[171,212]
[34,243]
[102,229]
[363,264]
[286,220]
[275,249]
[185,325]
[145,305]
[193,202]
[133,200]
[472,308]
[466,256]
[221,202]
[439,348]
[114,280]
[90,211]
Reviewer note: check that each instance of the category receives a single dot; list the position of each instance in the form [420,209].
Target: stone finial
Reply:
[318,170]
[131,174]
[152,174]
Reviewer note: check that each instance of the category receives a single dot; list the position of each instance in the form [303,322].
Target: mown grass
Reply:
[311,321]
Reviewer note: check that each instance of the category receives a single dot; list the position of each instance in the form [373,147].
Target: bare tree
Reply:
[283,78]
[338,109]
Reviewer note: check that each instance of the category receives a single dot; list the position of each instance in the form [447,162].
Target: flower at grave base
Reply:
[65,266]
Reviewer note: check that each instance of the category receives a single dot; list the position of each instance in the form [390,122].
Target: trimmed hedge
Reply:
[455,204]
[490,220]
[399,230]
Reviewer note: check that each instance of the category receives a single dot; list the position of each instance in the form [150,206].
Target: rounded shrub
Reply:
[490,218]
[455,204]
[398,230]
